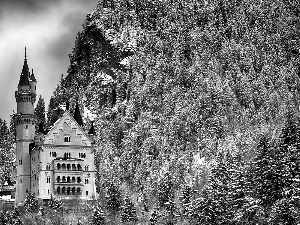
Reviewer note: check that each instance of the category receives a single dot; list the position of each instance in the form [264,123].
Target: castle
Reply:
[59,163]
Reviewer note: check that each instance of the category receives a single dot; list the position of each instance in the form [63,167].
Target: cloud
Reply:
[48,29]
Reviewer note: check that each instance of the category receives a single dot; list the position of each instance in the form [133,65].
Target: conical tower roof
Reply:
[25,73]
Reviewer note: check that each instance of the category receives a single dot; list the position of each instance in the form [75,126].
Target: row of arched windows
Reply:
[64,166]
[25,99]
[68,179]
[24,121]
[68,191]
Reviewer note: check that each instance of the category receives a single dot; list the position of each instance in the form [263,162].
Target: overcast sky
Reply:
[48,29]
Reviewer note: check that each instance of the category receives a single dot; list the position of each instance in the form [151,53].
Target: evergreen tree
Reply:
[30,203]
[165,190]
[113,198]
[98,216]
[128,211]
[55,203]
[39,112]
[266,183]
[154,216]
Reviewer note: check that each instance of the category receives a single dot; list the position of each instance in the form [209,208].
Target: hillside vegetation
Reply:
[196,108]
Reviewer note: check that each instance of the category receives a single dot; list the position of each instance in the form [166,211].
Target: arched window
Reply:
[58,179]
[68,166]
[73,179]
[68,179]
[58,190]
[73,167]
[78,190]
[78,167]
[73,190]
[58,166]
[78,179]
[63,190]
[67,138]
[68,190]
[63,179]
[63,166]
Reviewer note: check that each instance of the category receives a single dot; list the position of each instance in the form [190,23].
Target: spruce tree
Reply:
[113,198]
[30,203]
[98,217]
[39,112]
[128,211]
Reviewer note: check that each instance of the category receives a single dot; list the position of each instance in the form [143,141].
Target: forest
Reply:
[196,110]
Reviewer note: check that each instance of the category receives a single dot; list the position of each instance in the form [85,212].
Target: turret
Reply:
[25,131]
[32,83]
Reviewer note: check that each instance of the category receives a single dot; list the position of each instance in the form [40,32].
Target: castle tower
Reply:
[25,130]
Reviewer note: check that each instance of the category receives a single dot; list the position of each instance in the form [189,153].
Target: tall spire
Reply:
[25,72]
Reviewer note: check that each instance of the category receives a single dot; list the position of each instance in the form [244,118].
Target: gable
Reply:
[66,131]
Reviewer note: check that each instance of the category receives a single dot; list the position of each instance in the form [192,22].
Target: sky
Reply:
[48,29]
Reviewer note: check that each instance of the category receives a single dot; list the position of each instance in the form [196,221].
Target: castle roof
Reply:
[32,77]
[25,73]
[61,122]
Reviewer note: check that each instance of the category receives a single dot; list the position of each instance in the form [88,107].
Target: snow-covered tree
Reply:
[128,211]
[98,217]
[113,198]
[31,203]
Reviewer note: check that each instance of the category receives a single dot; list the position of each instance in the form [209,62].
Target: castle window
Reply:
[63,190]
[67,155]
[58,166]
[26,130]
[87,193]
[48,167]
[58,179]
[78,167]
[52,154]
[48,179]
[68,179]
[81,155]
[20,161]
[86,181]
[67,138]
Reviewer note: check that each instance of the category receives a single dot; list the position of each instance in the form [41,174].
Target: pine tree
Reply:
[30,203]
[266,183]
[165,190]
[154,216]
[128,211]
[55,203]
[39,112]
[98,217]
[113,198]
